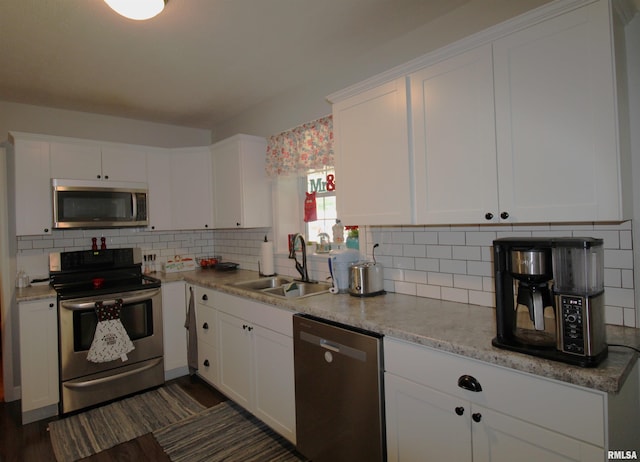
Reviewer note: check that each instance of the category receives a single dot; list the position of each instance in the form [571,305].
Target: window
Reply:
[321,182]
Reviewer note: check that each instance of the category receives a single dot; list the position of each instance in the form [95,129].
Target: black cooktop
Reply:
[89,273]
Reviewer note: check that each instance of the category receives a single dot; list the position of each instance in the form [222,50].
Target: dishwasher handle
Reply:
[345,350]
[329,346]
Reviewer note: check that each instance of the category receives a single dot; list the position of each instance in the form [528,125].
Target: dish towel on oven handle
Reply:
[111,340]
[192,334]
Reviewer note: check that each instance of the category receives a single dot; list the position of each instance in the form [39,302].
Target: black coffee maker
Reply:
[549,298]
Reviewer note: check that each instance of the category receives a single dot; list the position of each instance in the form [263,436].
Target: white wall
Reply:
[48,121]
[308,101]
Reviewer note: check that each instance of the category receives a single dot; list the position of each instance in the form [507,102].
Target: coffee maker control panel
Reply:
[572,324]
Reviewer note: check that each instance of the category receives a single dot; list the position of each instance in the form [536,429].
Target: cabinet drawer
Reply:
[268,316]
[206,324]
[208,362]
[568,409]
[204,296]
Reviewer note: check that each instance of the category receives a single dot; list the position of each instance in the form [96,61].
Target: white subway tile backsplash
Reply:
[462,281]
[453,266]
[451,238]
[439,251]
[618,259]
[428,291]
[443,262]
[459,260]
[467,252]
[413,250]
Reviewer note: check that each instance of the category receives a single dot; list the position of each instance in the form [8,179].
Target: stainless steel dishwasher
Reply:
[339,396]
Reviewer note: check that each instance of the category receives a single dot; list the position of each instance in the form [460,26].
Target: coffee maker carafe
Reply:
[549,298]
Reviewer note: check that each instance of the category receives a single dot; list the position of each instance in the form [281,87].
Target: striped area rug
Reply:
[225,432]
[90,432]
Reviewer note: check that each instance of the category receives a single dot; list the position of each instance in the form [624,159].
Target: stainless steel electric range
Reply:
[89,284]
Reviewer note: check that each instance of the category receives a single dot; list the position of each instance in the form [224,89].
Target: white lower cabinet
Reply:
[38,359]
[206,321]
[174,334]
[430,417]
[252,360]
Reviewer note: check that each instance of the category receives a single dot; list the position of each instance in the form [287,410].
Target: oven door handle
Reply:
[110,378]
[130,297]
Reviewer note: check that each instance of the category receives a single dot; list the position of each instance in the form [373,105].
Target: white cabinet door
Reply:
[174,334]
[241,188]
[452,111]
[497,437]
[556,120]
[235,364]
[38,354]
[159,183]
[274,381]
[124,163]
[31,185]
[191,196]
[76,160]
[424,424]
[94,161]
[373,166]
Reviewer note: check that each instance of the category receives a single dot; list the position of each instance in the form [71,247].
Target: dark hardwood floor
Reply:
[27,443]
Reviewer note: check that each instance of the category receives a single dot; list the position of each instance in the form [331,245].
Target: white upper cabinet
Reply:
[30,186]
[191,196]
[454,139]
[94,161]
[373,168]
[241,188]
[558,145]
[522,123]
[159,183]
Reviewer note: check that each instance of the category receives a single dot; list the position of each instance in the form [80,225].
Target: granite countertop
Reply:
[453,327]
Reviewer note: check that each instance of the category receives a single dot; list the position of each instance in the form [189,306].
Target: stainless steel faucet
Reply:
[302,268]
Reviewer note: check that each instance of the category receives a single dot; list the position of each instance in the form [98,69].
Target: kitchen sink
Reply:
[277,286]
[300,290]
[264,283]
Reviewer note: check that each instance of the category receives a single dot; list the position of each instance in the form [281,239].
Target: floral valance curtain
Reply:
[306,147]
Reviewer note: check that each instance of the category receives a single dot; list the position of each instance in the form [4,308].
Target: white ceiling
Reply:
[197,64]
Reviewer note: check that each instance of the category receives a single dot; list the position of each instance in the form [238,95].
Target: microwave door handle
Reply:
[134,199]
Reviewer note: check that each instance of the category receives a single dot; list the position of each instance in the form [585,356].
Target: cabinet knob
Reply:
[106,177]
[488,216]
[470,383]
[205,298]
[504,215]
[51,305]
[205,326]
[459,410]
[98,176]
[206,226]
[206,363]
[476,416]
[237,224]
[46,230]
[153,227]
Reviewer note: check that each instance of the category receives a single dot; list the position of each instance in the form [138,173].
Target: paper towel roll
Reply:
[266,259]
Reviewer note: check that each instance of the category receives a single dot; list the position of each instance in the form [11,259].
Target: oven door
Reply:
[141,316]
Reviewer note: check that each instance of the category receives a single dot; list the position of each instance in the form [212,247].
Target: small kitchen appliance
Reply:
[339,262]
[549,298]
[366,278]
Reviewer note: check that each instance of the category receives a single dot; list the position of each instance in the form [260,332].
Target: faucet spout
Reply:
[301,268]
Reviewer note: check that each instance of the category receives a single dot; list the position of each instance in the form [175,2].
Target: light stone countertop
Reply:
[453,327]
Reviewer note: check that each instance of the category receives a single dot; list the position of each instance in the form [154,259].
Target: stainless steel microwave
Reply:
[99,204]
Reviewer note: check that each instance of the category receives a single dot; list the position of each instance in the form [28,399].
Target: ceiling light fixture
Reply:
[137,9]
